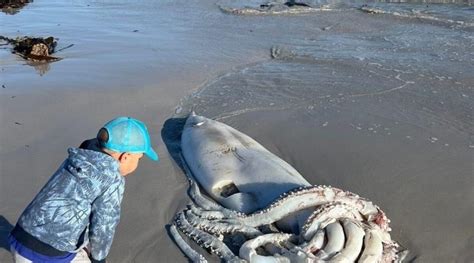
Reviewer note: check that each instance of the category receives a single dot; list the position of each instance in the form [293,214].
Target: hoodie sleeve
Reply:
[105,216]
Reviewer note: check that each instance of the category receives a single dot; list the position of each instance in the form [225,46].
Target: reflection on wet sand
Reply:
[41,67]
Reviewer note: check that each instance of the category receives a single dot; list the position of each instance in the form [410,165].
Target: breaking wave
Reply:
[456,12]
[447,14]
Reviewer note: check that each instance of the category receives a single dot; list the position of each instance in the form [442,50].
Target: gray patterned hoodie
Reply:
[83,196]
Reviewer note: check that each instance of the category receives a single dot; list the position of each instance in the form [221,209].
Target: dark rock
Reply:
[293,3]
[12,7]
[33,48]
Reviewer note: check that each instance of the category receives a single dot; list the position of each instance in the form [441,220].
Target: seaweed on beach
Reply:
[12,7]
[33,48]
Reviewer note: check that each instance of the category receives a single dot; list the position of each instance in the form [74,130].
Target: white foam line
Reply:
[384,91]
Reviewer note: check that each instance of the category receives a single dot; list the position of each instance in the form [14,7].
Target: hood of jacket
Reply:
[84,162]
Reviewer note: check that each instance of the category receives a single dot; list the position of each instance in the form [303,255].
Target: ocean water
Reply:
[375,97]
[343,55]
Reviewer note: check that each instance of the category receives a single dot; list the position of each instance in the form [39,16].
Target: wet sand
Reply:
[406,143]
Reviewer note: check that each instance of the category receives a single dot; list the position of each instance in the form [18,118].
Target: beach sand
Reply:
[367,103]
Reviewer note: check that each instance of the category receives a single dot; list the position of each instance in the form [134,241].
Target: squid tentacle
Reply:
[327,214]
[216,227]
[336,239]
[205,222]
[187,250]
[355,235]
[206,240]
[373,247]
[313,196]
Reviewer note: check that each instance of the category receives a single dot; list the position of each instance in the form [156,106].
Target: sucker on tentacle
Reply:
[206,240]
[248,249]
[216,227]
[206,214]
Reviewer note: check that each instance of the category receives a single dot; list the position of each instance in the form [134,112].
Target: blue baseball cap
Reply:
[130,135]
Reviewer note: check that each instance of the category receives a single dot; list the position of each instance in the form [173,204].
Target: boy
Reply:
[73,218]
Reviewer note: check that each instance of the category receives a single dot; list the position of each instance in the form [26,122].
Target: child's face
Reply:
[129,162]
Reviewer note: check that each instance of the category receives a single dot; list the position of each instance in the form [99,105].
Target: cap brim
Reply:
[152,154]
